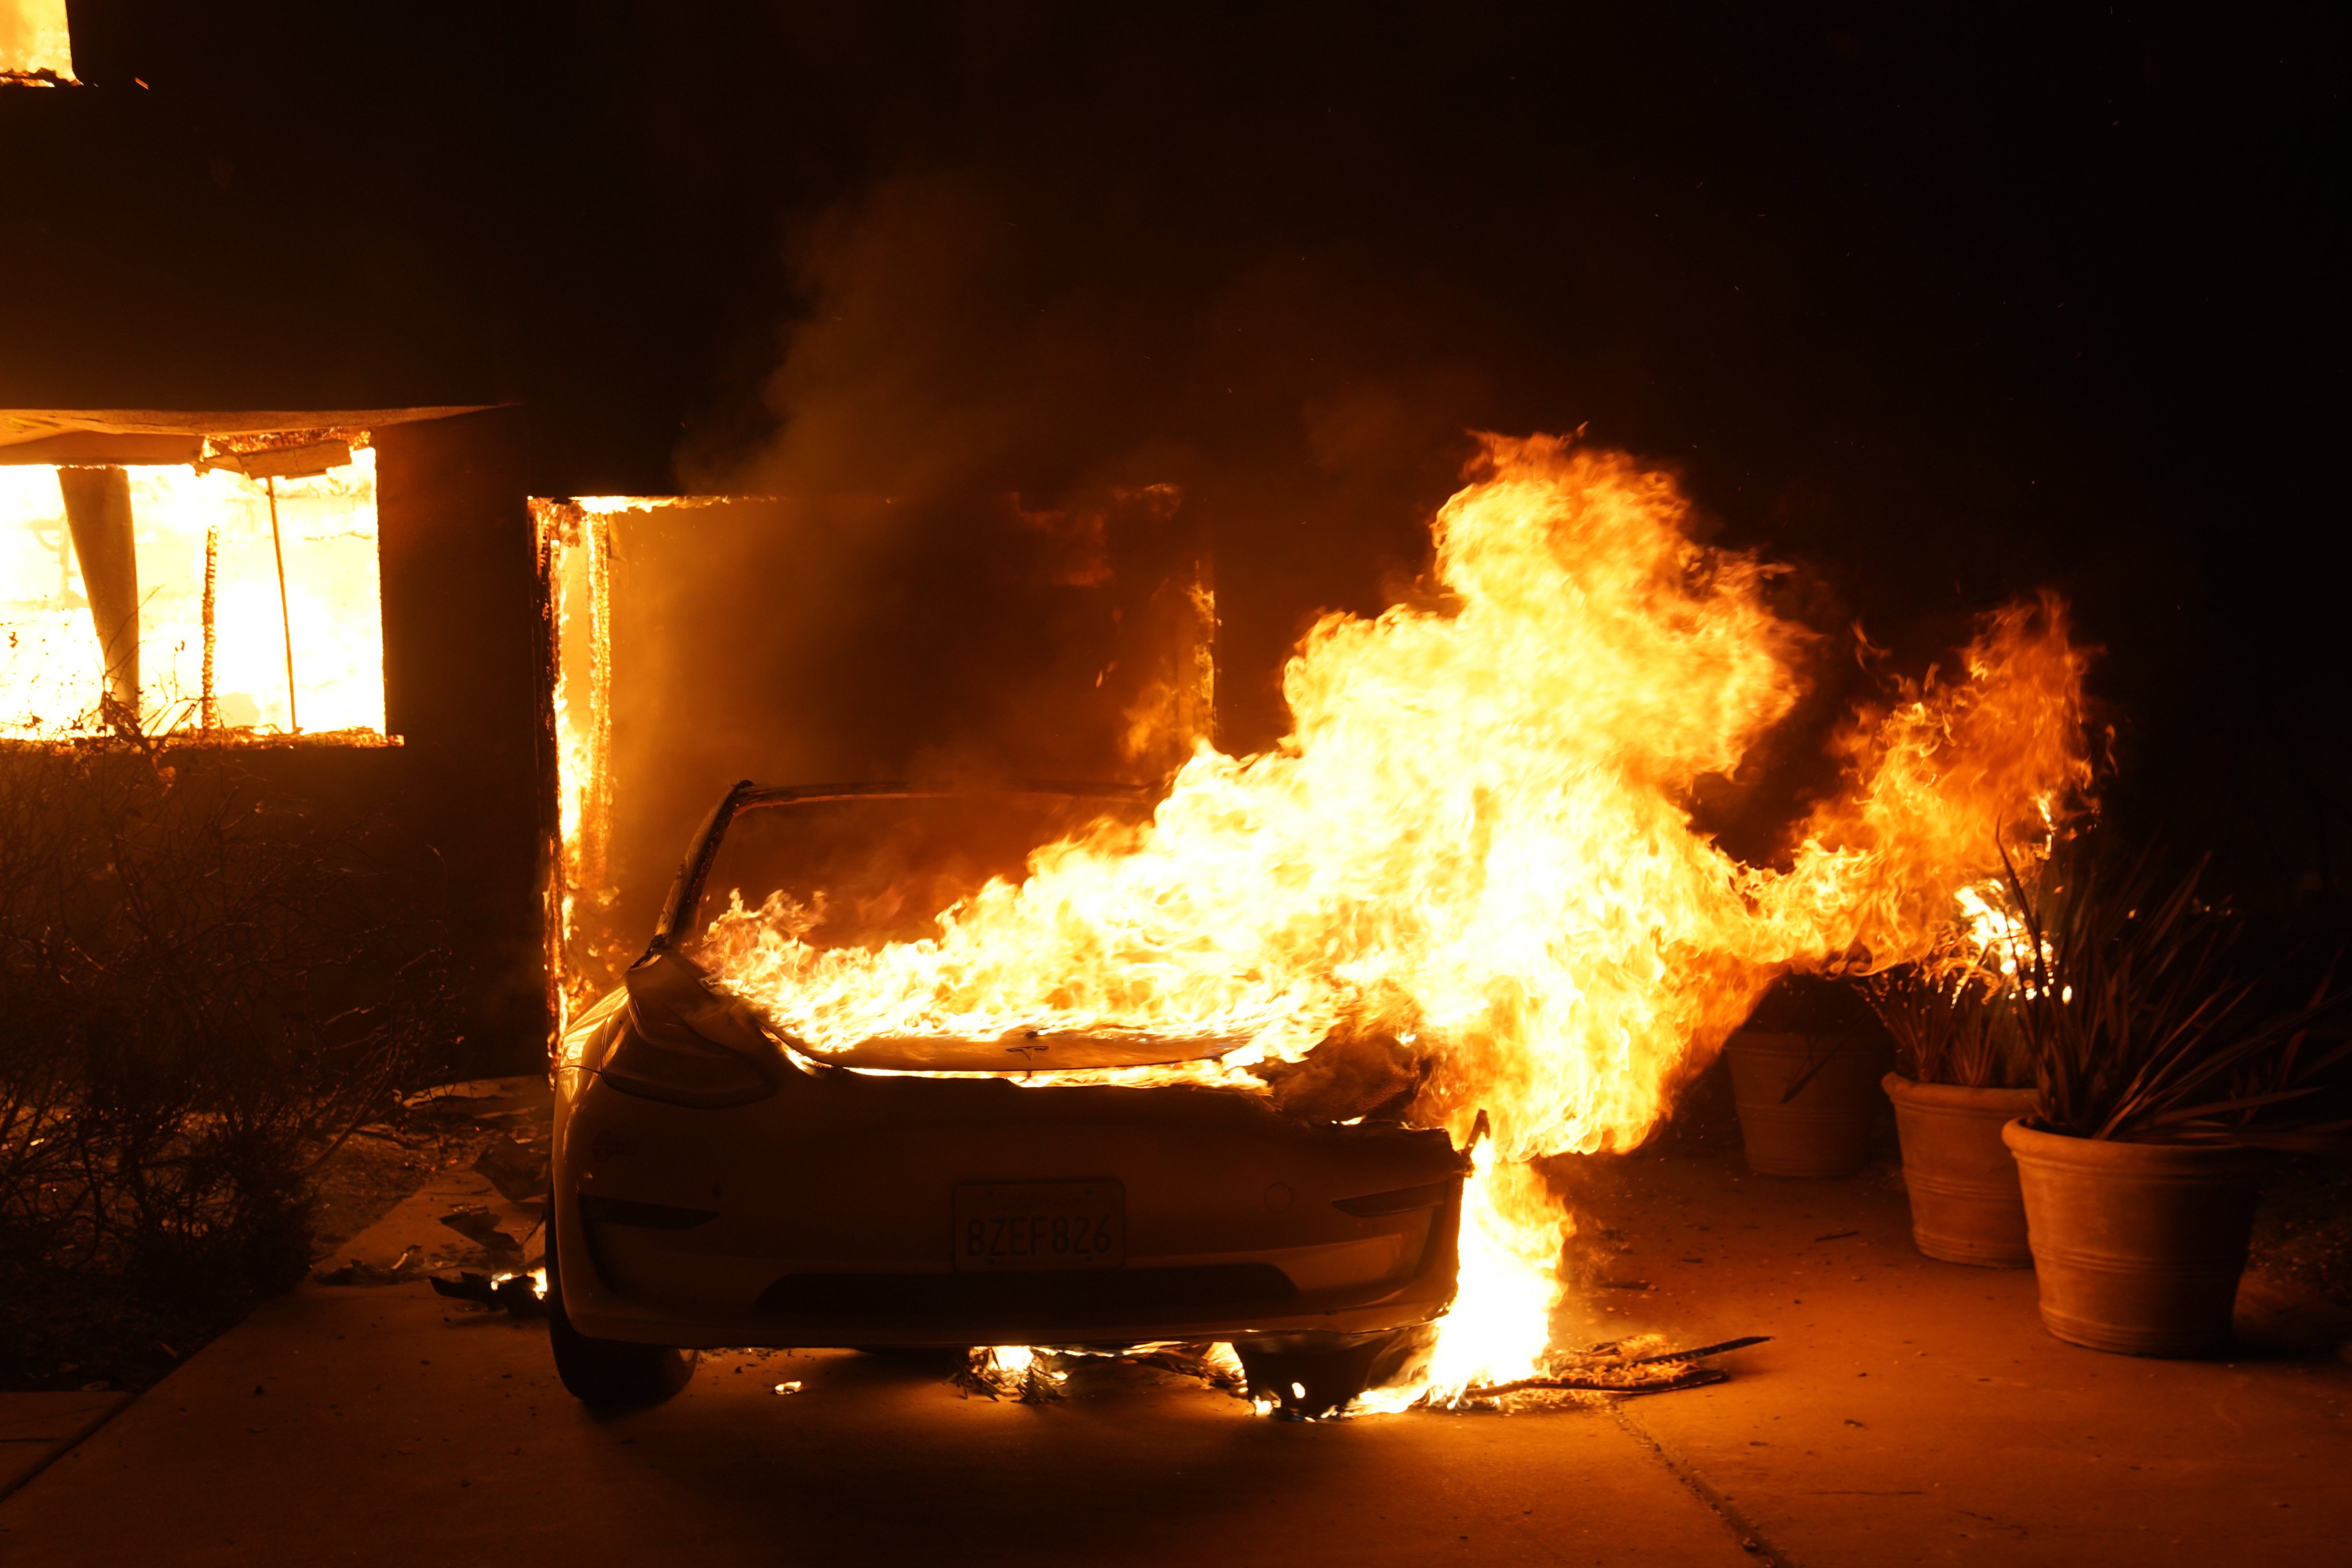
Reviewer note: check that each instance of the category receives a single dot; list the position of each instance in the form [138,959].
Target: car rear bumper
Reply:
[819,1225]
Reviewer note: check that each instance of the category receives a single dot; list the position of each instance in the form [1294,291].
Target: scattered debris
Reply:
[1017,1373]
[1214,1364]
[1838,1235]
[1722,1347]
[1036,1374]
[517,1169]
[480,1226]
[793,1388]
[408,1266]
[520,1295]
[1030,1375]
[1598,1382]
[467,1090]
[1608,1369]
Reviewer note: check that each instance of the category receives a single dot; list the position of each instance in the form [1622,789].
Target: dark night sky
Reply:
[1944,304]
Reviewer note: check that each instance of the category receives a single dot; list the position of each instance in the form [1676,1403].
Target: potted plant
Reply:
[1961,1075]
[2161,1086]
[1803,1072]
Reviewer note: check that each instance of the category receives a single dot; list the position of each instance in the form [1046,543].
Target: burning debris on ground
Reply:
[1037,1374]
[518,1295]
[498,1130]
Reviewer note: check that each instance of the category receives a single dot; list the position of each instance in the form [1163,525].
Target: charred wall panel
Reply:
[464,689]
[858,638]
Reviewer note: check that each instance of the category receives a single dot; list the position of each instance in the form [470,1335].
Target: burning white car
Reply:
[715,1184]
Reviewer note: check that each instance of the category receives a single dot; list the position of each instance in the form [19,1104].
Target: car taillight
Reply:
[681,1043]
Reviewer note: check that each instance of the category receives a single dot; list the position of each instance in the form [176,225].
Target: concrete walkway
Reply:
[1912,1411]
[36,1428]
[1908,1411]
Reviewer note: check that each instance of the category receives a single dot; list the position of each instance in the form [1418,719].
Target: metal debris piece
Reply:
[1012,1371]
[283,462]
[518,1295]
[408,1266]
[480,1226]
[1194,1361]
[514,1167]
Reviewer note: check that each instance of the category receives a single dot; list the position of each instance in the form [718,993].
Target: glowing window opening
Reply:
[212,625]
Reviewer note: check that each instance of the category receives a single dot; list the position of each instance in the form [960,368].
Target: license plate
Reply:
[1040,1224]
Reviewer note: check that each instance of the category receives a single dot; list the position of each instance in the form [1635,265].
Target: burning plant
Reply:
[1471,866]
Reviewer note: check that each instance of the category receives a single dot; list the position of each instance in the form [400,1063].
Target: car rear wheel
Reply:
[608,1373]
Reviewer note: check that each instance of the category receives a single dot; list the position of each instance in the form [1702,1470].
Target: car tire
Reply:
[608,1374]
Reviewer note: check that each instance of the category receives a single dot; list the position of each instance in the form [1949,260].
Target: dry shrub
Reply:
[206,988]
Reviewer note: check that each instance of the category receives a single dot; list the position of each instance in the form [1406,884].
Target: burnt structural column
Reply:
[465,651]
[98,513]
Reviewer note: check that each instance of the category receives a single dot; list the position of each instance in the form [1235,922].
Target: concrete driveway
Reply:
[1907,1411]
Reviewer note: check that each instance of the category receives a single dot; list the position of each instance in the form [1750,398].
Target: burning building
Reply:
[1470,875]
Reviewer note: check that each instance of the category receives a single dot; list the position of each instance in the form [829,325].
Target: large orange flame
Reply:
[35,42]
[1476,844]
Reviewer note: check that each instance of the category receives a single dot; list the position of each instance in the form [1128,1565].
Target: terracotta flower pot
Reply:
[1806,1101]
[1965,1203]
[2139,1246]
